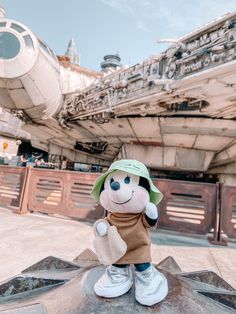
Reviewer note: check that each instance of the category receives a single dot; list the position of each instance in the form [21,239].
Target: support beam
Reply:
[170,158]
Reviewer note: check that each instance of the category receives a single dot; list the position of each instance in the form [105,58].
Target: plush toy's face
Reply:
[123,194]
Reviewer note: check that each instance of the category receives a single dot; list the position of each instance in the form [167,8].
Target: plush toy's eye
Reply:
[127,180]
[111,180]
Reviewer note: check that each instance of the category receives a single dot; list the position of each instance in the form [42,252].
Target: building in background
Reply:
[72,52]
[111,63]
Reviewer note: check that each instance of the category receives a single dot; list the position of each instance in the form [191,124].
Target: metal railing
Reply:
[65,193]
[190,207]
[12,182]
[187,206]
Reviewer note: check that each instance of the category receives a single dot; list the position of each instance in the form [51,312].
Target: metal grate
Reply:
[11,182]
[63,192]
[83,205]
[228,211]
[186,208]
[233,219]
[80,195]
[48,191]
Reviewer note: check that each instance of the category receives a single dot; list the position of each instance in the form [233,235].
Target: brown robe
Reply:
[133,230]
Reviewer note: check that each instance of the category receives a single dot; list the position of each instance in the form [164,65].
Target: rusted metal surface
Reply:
[87,259]
[12,180]
[29,309]
[224,298]
[187,206]
[63,192]
[208,277]
[51,263]
[228,211]
[169,264]
[195,294]
[24,286]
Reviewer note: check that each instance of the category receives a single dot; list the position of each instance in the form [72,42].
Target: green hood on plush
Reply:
[130,166]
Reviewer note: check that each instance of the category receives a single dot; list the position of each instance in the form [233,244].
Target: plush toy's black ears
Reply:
[144,183]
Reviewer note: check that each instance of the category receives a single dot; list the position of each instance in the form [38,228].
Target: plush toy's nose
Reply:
[115,185]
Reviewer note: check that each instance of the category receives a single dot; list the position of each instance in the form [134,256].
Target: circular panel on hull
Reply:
[18,49]
[9,45]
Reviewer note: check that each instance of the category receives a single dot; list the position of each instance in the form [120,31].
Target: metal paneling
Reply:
[187,206]
[63,192]
[11,186]
[228,211]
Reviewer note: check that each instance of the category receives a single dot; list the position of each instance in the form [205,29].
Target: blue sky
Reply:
[99,27]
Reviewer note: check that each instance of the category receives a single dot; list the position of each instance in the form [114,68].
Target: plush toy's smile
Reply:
[125,201]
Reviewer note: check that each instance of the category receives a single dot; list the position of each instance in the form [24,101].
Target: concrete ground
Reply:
[26,239]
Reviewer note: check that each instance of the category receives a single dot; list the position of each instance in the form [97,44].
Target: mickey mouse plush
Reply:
[126,191]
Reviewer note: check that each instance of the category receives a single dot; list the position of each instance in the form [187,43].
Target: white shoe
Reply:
[150,286]
[115,282]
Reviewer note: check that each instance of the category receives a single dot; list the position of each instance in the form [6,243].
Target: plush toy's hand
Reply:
[102,228]
[151,211]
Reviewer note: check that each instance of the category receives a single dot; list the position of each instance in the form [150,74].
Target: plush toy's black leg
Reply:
[120,265]
[142,267]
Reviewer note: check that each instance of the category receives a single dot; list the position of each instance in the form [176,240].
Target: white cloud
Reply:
[123,6]
[141,26]
[174,18]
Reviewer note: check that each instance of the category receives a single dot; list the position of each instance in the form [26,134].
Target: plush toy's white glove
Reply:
[102,228]
[151,211]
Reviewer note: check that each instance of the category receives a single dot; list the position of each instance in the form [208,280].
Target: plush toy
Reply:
[126,191]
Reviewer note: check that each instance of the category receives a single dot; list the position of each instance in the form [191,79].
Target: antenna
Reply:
[2,12]
[167,41]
